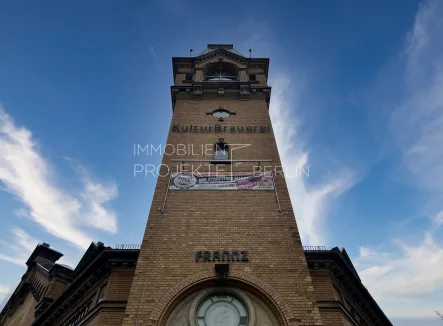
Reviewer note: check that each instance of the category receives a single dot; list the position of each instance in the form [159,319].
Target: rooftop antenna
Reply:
[190,53]
[250,54]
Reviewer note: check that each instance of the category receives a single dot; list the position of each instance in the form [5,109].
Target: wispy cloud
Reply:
[152,51]
[26,174]
[311,204]
[94,195]
[417,120]
[438,219]
[407,278]
[19,248]
[5,291]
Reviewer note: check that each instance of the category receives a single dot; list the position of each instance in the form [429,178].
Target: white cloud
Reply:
[417,121]
[408,279]
[311,205]
[417,269]
[438,219]
[404,280]
[94,195]
[366,252]
[26,174]
[4,289]
[5,292]
[19,248]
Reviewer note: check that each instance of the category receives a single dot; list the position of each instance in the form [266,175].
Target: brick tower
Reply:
[221,246]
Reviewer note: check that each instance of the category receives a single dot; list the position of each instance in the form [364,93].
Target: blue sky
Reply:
[359,84]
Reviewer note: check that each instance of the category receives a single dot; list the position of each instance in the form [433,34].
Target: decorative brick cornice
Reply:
[99,268]
[242,62]
[342,273]
[217,53]
[61,308]
[338,306]
[103,306]
[212,90]
[42,306]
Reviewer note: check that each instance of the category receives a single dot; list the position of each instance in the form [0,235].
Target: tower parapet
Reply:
[220,71]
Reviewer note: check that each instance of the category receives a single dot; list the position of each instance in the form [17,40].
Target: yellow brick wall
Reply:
[119,284]
[222,220]
[24,315]
[323,286]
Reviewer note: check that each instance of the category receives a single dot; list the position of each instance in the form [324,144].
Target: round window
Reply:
[222,310]
[221,114]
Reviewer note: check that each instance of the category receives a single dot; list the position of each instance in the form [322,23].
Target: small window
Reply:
[221,150]
[252,77]
[189,76]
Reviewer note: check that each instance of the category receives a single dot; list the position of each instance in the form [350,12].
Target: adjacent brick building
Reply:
[221,245]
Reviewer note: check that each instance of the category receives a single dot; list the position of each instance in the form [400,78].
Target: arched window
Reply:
[223,72]
[222,309]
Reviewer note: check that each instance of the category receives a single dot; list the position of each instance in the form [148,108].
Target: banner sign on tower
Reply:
[217,181]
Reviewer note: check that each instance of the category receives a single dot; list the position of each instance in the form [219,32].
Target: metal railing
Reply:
[137,246]
[127,246]
[315,248]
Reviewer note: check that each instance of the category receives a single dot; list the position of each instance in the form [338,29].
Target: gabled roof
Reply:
[213,47]
[90,254]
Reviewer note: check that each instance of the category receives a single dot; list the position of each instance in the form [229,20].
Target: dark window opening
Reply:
[189,76]
[221,75]
[221,150]
[253,77]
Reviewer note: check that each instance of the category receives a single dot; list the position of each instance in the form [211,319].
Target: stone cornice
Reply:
[102,307]
[350,294]
[98,269]
[220,52]
[337,305]
[234,90]
[331,262]
[192,62]
[43,250]
[42,306]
